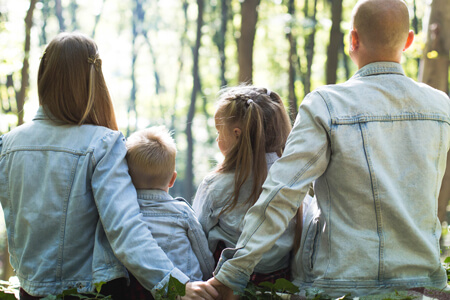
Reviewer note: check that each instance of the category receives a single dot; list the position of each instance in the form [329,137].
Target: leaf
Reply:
[447,260]
[283,285]
[98,286]
[175,287]
[69,292]
[7,296]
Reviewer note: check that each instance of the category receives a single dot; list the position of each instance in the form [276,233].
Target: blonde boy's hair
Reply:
[151,157]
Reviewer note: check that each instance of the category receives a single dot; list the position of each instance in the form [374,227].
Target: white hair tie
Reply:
[269,92]
[249,101]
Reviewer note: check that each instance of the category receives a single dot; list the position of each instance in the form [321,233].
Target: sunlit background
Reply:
[163,49]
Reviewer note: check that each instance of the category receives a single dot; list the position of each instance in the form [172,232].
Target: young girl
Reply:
[71,211]
[252,126]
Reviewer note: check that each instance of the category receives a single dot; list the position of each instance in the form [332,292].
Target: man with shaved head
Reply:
[375,148]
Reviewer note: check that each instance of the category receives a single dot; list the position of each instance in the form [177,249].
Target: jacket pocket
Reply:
[311,241]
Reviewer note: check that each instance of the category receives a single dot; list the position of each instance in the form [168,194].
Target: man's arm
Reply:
[444,195]
[305,158]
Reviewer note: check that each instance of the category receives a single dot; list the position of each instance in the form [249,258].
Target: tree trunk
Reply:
[293,59]
[45,14]
[434,71]
[73,13]
[59,15]
[21,97]
[189,178]
[249,17]
[221,40]
[335,41]
[309,48]
[435,61]
[97,18]
[134,54]
[183,42]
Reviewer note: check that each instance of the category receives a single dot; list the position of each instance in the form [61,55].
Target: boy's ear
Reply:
[237,132]
[172,180]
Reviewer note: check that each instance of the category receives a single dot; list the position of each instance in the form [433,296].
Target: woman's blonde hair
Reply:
[265,126]
[71,86]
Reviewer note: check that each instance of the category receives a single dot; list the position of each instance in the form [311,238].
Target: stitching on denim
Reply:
[377,202]
[344,120]
[63,224]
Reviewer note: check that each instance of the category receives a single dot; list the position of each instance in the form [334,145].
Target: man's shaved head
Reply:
[382,25]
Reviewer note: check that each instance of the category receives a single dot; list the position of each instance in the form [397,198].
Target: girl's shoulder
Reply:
[215,178]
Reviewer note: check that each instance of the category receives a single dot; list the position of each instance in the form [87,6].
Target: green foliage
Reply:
[174,289]
[268,290]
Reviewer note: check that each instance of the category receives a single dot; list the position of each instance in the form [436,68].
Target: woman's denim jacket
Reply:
[376,147]
[212,196]
[175,227]
[71,210]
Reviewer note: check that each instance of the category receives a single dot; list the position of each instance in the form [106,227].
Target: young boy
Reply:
[151,159]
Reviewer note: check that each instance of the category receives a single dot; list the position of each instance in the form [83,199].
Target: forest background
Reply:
[165,60]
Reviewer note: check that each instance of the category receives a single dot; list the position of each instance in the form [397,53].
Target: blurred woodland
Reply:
[165,60]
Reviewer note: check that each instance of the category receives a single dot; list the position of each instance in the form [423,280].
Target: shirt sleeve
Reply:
[200,246]
[305,158]
[116,200]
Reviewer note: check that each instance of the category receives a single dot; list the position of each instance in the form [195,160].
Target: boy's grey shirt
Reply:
[177,231]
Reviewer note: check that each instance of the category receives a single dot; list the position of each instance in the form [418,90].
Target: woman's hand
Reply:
[200,290]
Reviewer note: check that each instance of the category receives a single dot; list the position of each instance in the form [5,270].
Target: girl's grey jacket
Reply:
[212,196]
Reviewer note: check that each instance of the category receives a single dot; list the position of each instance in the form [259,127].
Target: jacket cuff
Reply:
[176,273]
[229,275]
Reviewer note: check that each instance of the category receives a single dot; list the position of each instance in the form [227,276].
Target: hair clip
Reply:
[94,60]
[249,101]
[268,92]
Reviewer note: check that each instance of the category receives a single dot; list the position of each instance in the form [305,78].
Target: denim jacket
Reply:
[376,147]
[175,227]
[212,196]
[71,210]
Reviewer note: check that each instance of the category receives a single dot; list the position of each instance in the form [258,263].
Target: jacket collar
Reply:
[378,68]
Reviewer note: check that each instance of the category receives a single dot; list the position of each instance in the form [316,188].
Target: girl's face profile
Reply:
[225,136]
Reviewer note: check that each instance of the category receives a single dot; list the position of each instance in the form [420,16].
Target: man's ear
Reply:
[172,180]
[409,40]
[354,40]
[237,132]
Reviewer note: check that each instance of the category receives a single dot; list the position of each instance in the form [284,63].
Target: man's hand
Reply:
[225,292]
[200,290]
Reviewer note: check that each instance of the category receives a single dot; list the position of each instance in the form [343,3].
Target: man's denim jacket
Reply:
[70,209]
[175,227]
[212,196]
[376,147]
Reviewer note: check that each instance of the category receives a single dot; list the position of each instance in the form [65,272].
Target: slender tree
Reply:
[249,17]
[309,46]
[97,18]
[189,178]
[59,15]
[335,41]
[221,40]
[21,97]
[292,61]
